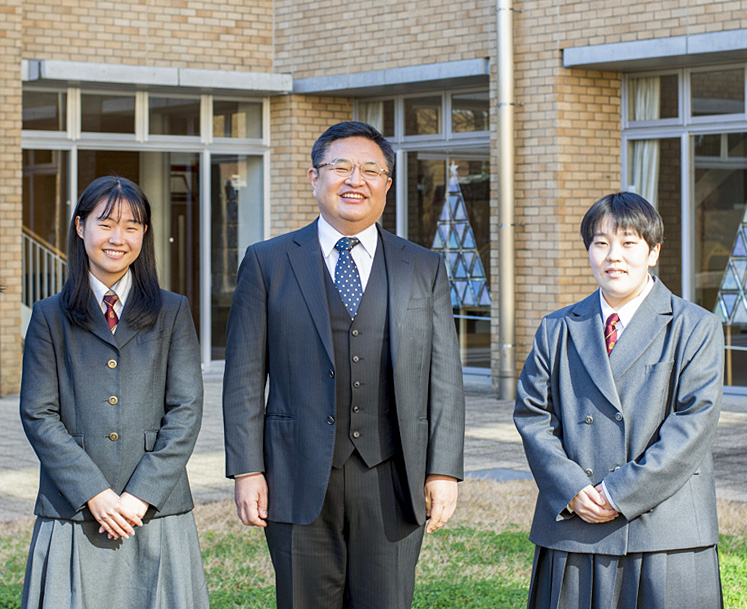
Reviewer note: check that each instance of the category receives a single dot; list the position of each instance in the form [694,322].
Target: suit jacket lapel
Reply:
[587,334]
[308,267]
[99,327]
[650,319]
[399,274]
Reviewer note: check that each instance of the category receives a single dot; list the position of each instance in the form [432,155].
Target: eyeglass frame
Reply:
[352,169]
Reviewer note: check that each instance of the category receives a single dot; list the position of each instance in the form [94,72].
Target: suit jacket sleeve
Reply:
[71,469]
[558,477]
[159,470]
[246,371]
[686,434]
[446,393]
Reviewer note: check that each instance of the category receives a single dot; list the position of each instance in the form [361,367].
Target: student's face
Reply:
[353,203]
[112,243]
[620,261]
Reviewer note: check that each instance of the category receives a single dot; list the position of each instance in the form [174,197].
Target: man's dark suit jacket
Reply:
[279,325]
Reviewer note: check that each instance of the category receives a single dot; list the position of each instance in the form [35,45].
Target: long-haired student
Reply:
[617,406]
[111,401]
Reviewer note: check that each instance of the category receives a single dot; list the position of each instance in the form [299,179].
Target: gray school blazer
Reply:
[119,411]
[642,420]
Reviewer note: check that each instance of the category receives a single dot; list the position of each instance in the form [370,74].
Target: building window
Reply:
[470,112]
[173,116]
[717,92]
[423,115]
[237,119]
[107,113]
[379,114]
[44,110]
[653,98]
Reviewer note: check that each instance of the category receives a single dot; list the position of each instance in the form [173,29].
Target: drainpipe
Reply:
[506,260]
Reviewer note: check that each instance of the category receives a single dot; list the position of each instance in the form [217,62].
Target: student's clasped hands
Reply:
[591,505]
[117,514]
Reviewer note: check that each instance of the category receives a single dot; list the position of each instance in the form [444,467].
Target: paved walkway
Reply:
[492,450]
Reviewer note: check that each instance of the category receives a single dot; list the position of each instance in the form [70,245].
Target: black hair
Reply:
[340,131]
[144,300]
[628,211]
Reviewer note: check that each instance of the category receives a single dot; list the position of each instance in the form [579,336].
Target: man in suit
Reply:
[361,436]
[617,406]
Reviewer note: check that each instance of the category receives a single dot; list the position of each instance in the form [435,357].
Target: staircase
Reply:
[44,269]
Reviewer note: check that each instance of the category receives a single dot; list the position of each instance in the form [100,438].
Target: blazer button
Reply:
[355,333]
[356,434]
[589,420]
[113,400]
[330,419]
[618,416]
[113,436]
[589,472]
[112,363]
[357,384]
[331,374]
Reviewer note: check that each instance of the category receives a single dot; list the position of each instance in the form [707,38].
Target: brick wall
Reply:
[230,35]
[10,195]
[296,122]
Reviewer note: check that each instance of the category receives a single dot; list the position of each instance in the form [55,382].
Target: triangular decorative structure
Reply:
[455,241]
[731,304]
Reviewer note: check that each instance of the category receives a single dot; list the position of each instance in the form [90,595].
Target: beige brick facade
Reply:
[10,195]
[568,122]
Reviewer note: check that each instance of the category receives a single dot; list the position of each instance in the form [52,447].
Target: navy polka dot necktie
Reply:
[347,279]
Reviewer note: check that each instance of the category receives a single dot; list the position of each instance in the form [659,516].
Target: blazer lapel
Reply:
[308,267]
[650,319]
[587,334]
[399,274]
[99,327]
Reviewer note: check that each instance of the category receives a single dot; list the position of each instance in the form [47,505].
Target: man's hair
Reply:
[340,131]
[628,211]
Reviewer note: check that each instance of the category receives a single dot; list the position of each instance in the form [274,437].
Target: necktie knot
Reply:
[111,314]
[610,331]
[346,244]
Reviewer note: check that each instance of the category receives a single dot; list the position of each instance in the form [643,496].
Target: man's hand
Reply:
[592,506]
[440,500]
[250,495]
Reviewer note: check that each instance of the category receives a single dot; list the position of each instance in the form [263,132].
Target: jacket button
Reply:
[357,384]
[356,359]
[330,419]
[589,420]
[112,363]
[589,472]
[354,332]
[113,400]
[356,434]
[331,374]
[618,416]
[113,436]
[356,409]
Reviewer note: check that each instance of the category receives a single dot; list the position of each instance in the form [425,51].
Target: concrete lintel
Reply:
[118,75]
[675,51]
[397,80]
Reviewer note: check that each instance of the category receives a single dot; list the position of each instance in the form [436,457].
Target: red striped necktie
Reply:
[610,332]
[111,314]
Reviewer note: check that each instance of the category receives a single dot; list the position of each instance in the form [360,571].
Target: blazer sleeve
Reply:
[558,477]
[245,373]
[446,392]
[685,436]
[67,464]
[159,470]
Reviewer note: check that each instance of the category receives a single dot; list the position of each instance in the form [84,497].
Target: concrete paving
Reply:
[492,449]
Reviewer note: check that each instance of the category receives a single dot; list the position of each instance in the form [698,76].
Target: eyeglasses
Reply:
[342,167]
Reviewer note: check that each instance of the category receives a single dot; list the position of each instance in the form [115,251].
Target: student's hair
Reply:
[628,211]
[340,131]
[144,300]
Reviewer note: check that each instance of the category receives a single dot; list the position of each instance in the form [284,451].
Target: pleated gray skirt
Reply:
[679,579]
[73,566]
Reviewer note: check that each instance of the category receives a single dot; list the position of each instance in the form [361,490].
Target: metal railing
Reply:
[44,268]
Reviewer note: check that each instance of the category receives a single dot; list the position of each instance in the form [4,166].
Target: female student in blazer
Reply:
[617,426]
[111,401]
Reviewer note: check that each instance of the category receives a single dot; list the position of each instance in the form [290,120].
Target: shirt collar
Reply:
[121,288]
[329,236]
[626,312]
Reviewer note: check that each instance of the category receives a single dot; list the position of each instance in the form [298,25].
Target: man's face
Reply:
[350,203]
[620,261]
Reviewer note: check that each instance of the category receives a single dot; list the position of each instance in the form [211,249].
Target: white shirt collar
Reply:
[121,289]
[626,312]
[329,236]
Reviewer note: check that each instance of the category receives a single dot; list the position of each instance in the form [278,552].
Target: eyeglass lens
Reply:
[369,169]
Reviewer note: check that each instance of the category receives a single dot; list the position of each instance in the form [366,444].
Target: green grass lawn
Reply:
[482,560]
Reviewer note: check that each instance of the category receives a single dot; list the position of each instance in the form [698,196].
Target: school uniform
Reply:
[642,421]
[117,410]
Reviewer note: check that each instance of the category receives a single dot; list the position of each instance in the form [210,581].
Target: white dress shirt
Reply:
[121,289]
[362,254]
